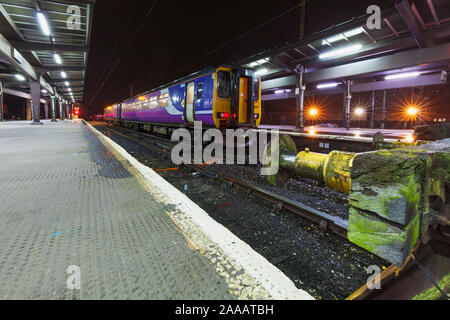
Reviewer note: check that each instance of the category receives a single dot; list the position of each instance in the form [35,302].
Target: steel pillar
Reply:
[61,111]
[46,109]
[1,102]
[53,104]
[372,111]
[67,111]
[300,99]
[35,88]
[348,101]
[384,111]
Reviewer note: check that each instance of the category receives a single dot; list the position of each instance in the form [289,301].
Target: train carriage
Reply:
[222,97]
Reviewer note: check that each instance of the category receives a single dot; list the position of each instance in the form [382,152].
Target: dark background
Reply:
[179,32]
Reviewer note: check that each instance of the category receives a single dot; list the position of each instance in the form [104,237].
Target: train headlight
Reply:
[256,116]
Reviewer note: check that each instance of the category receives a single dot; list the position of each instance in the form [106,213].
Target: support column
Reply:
[61,111]
[348,101]
[384,111]
[46,109]
[372,111]
[53,103]
[1,102]
[300,99]
[35,88]
[67,111]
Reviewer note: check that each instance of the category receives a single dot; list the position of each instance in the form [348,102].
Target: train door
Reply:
[243,100]
[190,102]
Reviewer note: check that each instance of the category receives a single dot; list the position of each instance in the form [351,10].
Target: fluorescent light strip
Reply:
[328,85]
[402,75]
[341,52]
[57,58]
[354,32]
[20,77]
[63,74]
[261,72]
[43,23]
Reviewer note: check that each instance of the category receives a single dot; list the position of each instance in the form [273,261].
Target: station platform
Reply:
[80,218]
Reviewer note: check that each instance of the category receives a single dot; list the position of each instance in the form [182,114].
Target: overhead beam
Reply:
[45,69]
[20,94]
[410,19]
[38,46]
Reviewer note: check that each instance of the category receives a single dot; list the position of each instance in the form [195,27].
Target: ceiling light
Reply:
[57,58]
[44,24]
[67,83]
[44,91]
[354,32]
[341,52]
[20,77]
[260,72]
[63,74]
[402,75]
[328,85]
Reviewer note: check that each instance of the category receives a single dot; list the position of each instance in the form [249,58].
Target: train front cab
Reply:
[237,98]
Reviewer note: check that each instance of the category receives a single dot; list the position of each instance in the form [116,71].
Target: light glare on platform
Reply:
[57,58]
[260,72]
[357,134]
[312,131]
[402,75]
[43,23]
[341,52]
[20,77]
[328,85]
[409,138]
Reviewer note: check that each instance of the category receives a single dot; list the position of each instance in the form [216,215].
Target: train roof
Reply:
[180,80]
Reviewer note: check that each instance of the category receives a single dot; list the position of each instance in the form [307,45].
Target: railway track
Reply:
[324,221]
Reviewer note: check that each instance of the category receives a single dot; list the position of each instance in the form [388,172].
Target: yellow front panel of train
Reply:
[243,99]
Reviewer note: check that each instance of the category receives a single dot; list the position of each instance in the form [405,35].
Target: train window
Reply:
[164,100]
[255,89]
[199,91]
[146,104]
[153,102]
[223,84]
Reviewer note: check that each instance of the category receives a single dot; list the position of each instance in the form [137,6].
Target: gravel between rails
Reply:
[325,265]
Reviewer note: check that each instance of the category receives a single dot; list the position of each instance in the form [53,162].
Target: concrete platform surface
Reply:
[82,219]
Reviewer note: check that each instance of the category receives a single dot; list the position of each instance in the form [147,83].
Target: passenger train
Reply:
[222,97]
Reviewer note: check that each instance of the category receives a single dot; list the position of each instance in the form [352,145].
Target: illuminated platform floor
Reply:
[76,209]
[363,132]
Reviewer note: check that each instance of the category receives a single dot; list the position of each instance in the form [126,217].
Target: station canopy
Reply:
[46,41]
[411,48]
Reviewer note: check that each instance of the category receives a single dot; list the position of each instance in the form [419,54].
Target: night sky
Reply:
[179,32]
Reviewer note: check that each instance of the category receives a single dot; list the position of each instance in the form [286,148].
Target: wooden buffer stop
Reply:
[397,196]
